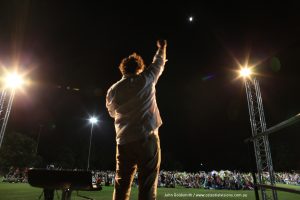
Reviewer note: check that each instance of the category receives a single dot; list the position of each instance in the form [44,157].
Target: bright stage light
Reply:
[13,81]
[93,120]
[191,18]
[245,72]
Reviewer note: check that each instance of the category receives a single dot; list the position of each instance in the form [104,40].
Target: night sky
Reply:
[203,105]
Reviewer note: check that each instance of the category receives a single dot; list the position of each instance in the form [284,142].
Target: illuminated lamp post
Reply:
[92,120]
[258,126]
[12,81]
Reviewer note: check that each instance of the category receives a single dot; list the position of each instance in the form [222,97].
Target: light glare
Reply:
[245,72]
[93,120]
[13,80]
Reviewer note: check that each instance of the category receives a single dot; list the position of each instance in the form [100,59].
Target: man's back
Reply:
[132,102]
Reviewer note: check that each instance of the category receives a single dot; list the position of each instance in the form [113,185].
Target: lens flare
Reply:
[93,120]
[245,72]
[13,80]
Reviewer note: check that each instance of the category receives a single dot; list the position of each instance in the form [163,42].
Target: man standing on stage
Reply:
[132,103]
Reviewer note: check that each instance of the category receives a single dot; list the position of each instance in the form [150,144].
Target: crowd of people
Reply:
[288,178]
[224,179]
[210,180]
[16,175]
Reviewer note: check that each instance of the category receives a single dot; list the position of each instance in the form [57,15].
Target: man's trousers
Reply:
[143,155]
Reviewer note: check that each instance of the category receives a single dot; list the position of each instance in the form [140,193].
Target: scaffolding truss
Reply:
[261,144]
[6,100]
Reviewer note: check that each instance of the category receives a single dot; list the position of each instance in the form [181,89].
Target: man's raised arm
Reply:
[156,68]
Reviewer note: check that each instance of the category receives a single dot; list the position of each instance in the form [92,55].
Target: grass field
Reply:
[18,191]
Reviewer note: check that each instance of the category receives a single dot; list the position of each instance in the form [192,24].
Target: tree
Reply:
[18,150]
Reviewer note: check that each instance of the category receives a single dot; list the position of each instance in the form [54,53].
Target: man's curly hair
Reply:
[132,65]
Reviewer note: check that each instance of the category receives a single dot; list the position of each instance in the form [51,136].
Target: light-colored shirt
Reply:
[132,102]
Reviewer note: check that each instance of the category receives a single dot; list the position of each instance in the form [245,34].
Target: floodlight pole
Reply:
[38,139]
[88,162]
[261,144]
[5,108]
